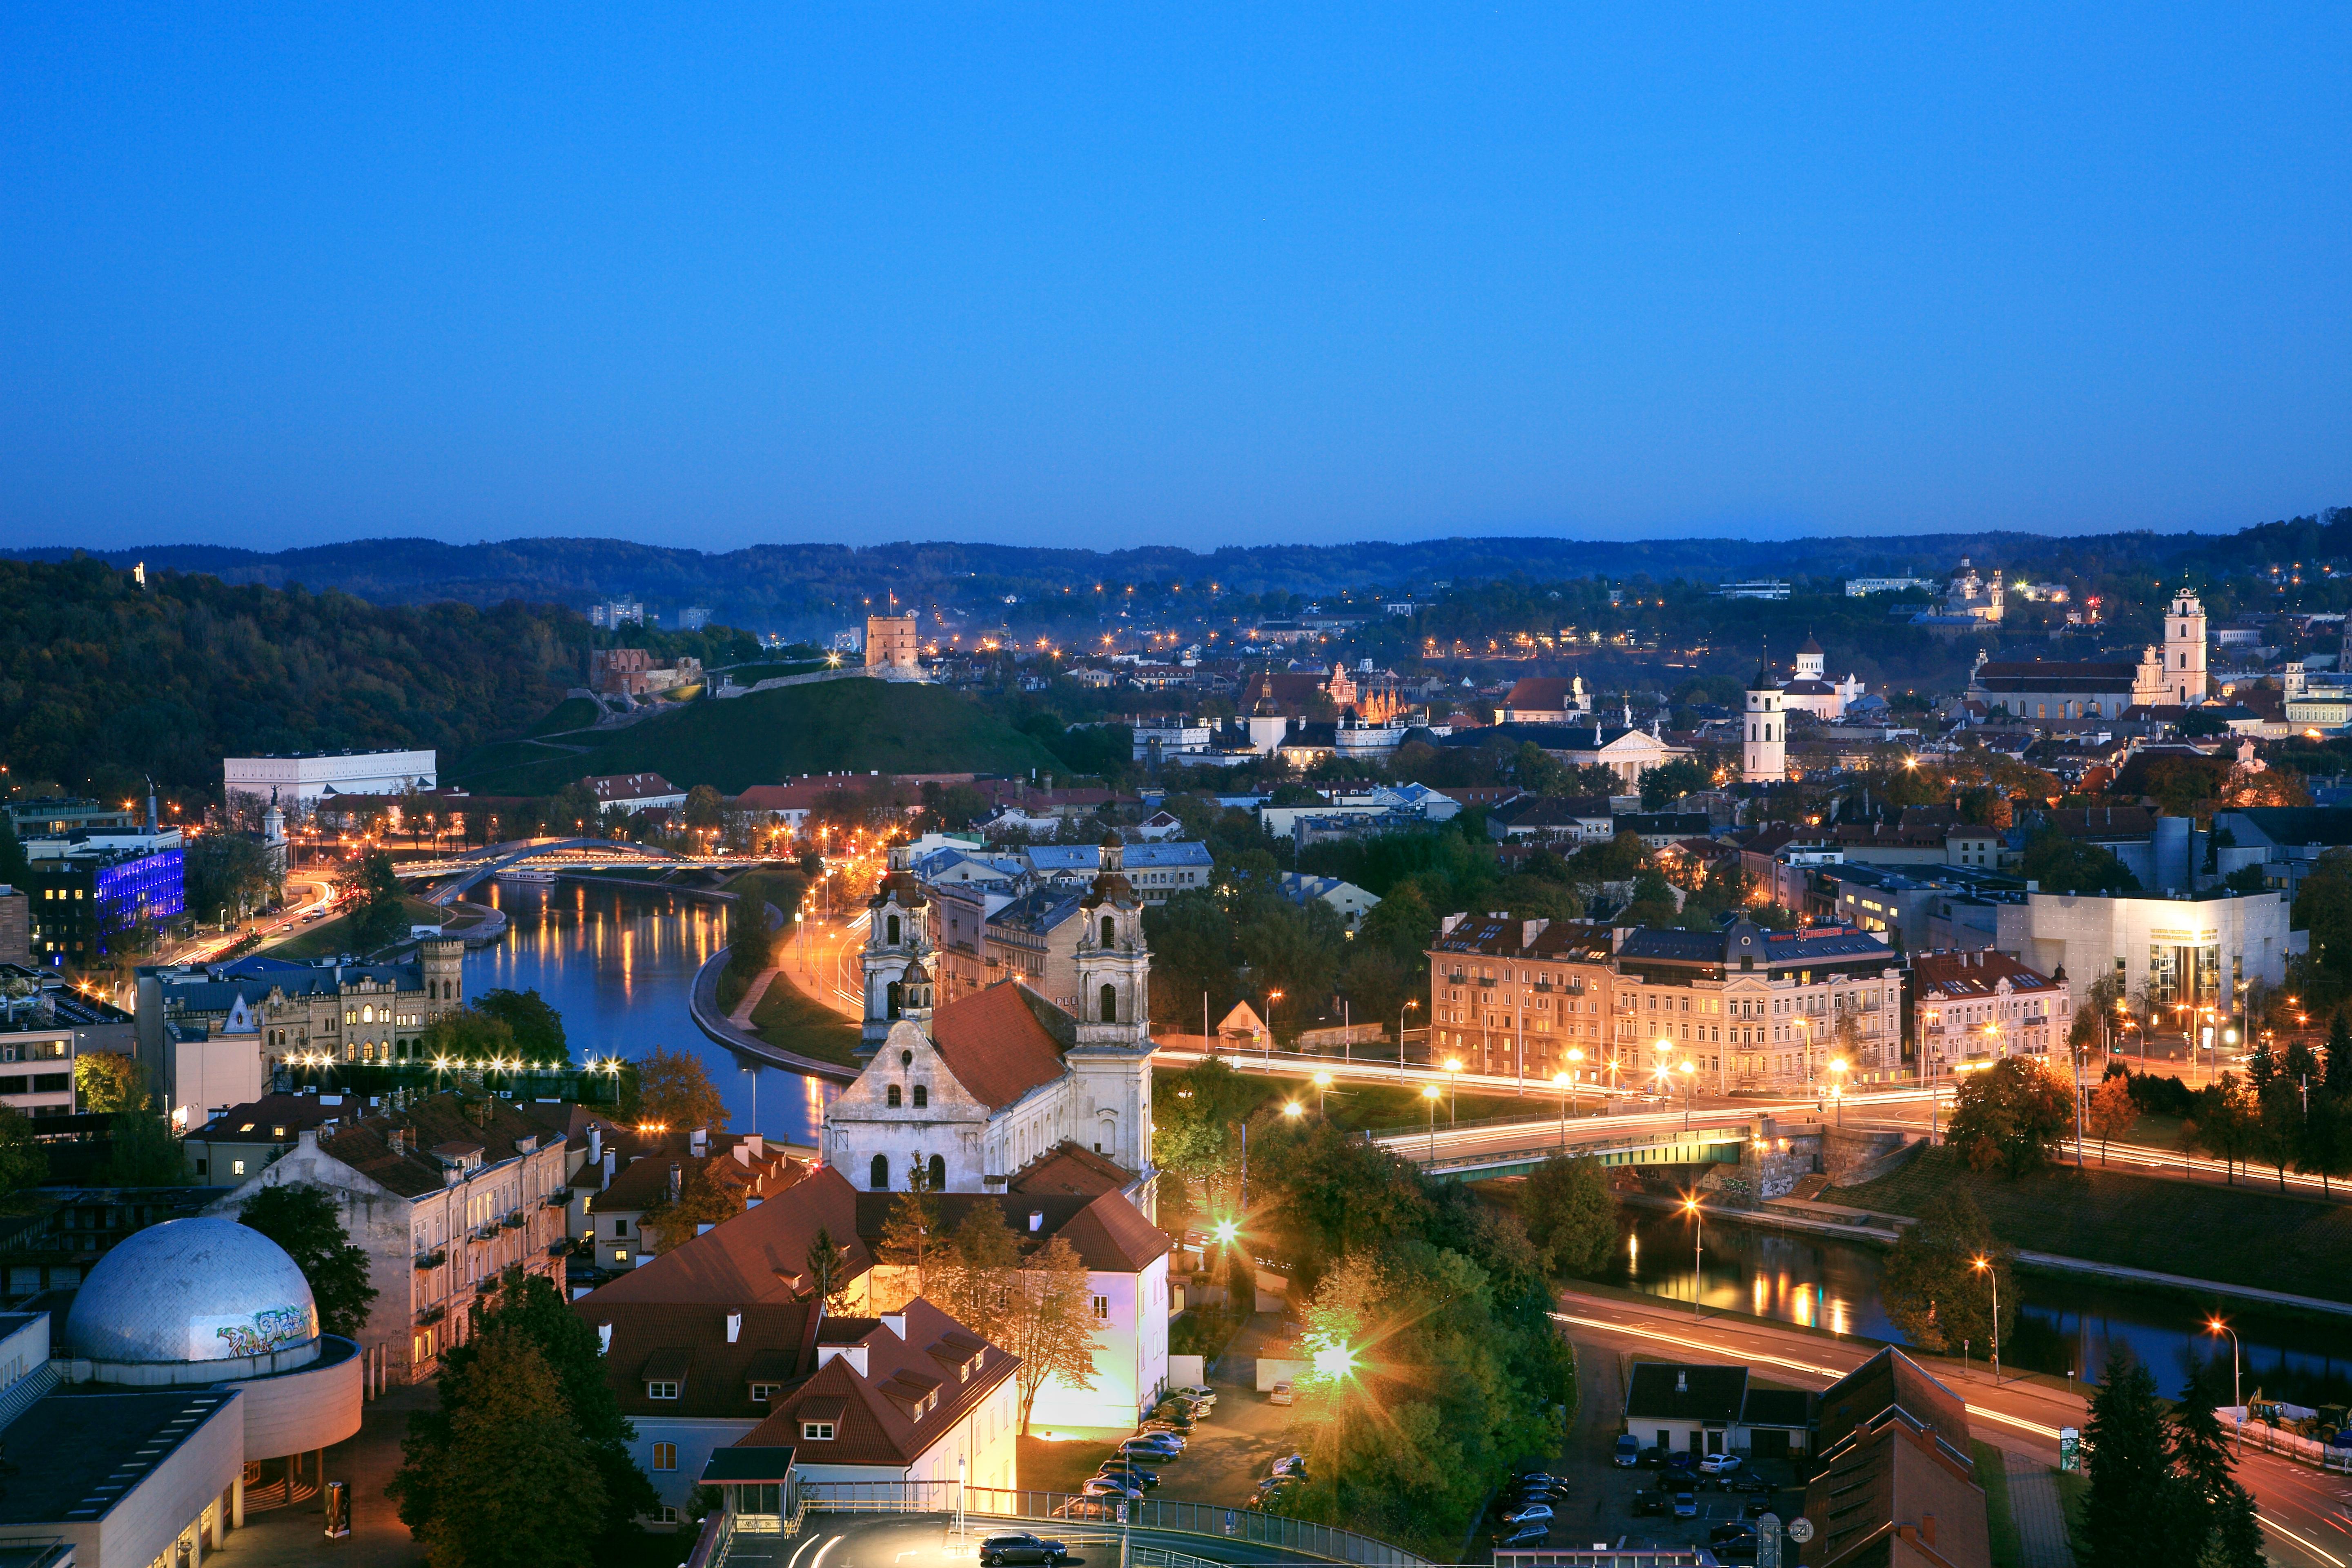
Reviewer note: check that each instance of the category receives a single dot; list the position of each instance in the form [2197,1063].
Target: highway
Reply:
[2307,1515]
[930,1541]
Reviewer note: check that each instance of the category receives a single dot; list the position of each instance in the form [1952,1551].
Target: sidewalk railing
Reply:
[1214,1520]
[2307,1450]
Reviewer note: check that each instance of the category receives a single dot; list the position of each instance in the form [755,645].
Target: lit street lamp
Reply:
[1984,1267]
[1454,1067]
[1698,1241]
[2237,1395]
[1837,1086]
[1560,1080]
[1322,1088]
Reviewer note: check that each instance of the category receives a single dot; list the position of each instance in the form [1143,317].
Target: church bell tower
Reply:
[2184,649]
[1763,752]
[1112,1054]
[898,944]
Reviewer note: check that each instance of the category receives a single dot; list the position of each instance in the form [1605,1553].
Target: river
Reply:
[2063,1325]
[618,964]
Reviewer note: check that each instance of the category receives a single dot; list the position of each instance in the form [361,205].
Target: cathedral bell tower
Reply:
[898,945]
[1763,753]
[2184,649]
[1112,1053]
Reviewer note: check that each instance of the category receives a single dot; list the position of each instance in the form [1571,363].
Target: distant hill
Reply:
[769,736]
[810,588]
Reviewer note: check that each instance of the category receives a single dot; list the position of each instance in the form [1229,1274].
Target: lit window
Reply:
[620,1255]
[664,1455]
[661,1390]
[236,1167]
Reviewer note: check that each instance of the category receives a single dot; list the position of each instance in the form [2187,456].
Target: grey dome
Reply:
[191,1291]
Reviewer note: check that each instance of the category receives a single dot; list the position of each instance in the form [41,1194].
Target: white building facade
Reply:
[302,779]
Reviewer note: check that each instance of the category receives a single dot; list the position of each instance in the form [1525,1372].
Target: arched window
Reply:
[367,1015]
[938,1172]
[922,1097]
[891,997]
[1108,939]
[891,1097]
[1110,1003]
[893,929]
[877,1176]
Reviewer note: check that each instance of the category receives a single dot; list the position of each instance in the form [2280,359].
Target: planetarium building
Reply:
[193,1383]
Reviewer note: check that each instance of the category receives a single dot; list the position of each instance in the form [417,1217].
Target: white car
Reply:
[1197,1391]
[1278,1395]
[1534,1513]
[1718,1464]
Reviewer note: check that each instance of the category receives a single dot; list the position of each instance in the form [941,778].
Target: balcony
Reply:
[433,1260]
[516,1220]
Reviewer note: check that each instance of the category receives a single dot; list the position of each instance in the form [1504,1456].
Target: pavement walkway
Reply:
[741,1017]
[2041,1515]
[295,1538]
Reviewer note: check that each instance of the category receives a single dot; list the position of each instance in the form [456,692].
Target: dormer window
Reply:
[763,1392]
[661,1390]
[817,1431]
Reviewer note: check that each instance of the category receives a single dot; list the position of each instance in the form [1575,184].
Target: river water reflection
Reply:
[619,965]
[2064,1325]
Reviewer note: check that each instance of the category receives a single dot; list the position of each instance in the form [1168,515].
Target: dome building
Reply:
[212,1303]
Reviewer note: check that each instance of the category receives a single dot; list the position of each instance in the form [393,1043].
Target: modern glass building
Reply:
[84,903]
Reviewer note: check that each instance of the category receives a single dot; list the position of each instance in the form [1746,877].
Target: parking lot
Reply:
[1225,1454]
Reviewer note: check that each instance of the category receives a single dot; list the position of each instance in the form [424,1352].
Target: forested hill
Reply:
[102,681]
[812,587]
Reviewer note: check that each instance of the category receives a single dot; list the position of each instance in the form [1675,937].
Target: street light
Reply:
[1322,1088]
[1984,1267]
[1690,1088]
[1429,1093]
[1408,1007]
[2217,1326]
[1291,1110]
[1272,997]
[1698,1241]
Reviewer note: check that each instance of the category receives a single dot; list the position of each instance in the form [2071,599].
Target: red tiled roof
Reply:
[1067,1168]
[1943,976]
[1542,693]
[761,1255]
[1107,1232]
[1111,1236]
[688,1344]
[996,1044]
[874,1414]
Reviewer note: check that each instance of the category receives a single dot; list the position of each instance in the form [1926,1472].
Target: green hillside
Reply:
[769,736]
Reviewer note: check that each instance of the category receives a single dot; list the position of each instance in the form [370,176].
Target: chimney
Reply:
[1036,1221]
[604,1339]
[734,1327]
[1682,1380]
[595,1145]
[677,1180]
[612,1158]
[697,1142]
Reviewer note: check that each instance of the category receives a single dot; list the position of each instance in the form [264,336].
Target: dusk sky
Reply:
[1107,276]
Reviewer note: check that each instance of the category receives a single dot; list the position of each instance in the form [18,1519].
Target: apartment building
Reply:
[1972,1008]
[1526,997]
[1748,1008]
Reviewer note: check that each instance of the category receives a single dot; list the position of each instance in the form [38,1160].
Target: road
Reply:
[930,1540]
[822,960]
[2307,1515]
[311,892]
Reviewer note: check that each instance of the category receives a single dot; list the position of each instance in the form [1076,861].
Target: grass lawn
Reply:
[2001,1524]
[2073,1490]
[792,1021]
[2240,1235]
[330,937]
[1061,1467]
[1357,1107]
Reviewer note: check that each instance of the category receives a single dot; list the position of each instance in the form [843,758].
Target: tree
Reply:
[2060,864]
[2325,1151]
[2131,1517]
[2112,1110]
[377,910]
[1662,786]
[22,1162]
[108,1081]
[700,1202]
[146,1153]
[752,936]
[1195,1121]
[1931,1286]
[529,1305]
[828,1270]
[516,1484]
[1570,1215]
[911,1231]
[304,1220]
[673,1091]
[537,1029]
[2014,1116]
[2223,1121]
[2217,1514]
[704,808]
[975,1283]
[1049,1324]
[467,1035]
[2276,1136]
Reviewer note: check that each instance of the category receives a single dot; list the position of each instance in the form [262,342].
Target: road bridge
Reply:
[457,873]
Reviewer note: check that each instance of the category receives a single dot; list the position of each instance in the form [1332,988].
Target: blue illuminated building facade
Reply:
[83,904]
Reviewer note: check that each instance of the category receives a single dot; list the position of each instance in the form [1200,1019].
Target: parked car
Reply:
[1629,1450]
[1750,1484]
[1758,1508]
[1648,1504]
[1718,1464]
[1523,1534]
[1278,1395]
[1530,1514]
[1095,1508]
[1020,1546]
[1686,1505]
[1731,1532]
[1120,1470]
[1157,1445]
[1107,1486]
[1198,1391]
[1652,1458]
[1291,1465]
[1681,1459]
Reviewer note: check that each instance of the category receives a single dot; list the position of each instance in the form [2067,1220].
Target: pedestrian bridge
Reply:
[456,873]
[1518,1148]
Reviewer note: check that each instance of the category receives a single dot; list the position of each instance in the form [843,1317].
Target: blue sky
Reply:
[1102,274]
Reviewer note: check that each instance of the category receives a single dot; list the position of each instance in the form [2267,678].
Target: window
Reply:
[1110,1003]
[620,1226]
[922,1096]
[762,1392]
[891,1097]
[620,1255]
[937,1172]
[661,1390]
[878,1174]
[236,1167]
[817,1431]
[664,1455]
[1102,1308]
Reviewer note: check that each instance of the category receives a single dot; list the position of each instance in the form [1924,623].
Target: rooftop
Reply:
[94,1447]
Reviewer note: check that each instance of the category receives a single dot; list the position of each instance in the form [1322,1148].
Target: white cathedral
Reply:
[990,1093]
